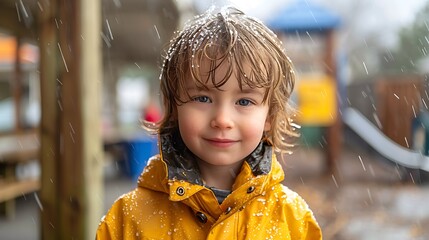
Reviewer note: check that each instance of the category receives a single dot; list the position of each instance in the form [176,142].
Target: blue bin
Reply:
[138,151]
[420,133]
[420,142]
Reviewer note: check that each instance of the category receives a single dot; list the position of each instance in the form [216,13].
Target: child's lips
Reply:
[221,142]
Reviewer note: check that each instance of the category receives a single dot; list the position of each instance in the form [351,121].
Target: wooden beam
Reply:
[72,128]
[90,88]
[49,124]
[333,133]
[71,120]
[12,189]
[16,85]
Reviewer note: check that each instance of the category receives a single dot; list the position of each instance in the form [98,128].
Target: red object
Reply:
[152,114]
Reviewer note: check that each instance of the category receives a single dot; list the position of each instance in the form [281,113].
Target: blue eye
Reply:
[202,99]
[244,102]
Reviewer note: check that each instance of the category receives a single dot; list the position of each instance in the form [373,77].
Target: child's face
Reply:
[222,127]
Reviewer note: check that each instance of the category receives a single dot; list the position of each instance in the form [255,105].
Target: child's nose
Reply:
[222,118]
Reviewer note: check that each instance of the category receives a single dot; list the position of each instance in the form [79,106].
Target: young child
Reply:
[225,85]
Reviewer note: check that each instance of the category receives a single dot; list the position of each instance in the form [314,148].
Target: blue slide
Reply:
[383,144]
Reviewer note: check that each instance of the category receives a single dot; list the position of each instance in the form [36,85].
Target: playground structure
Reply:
[390,114]
[309,34]
[382,144]
[308,31]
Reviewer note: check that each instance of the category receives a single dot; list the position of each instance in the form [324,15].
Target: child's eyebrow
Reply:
[249,90]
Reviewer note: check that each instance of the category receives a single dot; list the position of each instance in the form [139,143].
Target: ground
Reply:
[366,197]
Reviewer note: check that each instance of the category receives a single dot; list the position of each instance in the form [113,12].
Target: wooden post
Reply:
[17,86]
[49,124]
[90,89]
[333,133]
[71,146]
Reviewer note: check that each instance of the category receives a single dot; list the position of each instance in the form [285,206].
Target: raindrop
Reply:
[335,181]
[412,178]
[17,12]
[424,51]
[377,120]
[71,127]
[397,172]
[361,162]
[371,170]
[396,96]
[110,30]
[369,195]
[40,6]
[106,40]
[38,201]
[23,8]
[426,106]
[59,104]
[64,60]
[156,30]
[71,136]
[308,34]
[56,23]
[366,69]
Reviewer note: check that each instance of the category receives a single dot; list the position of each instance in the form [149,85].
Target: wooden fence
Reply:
[399,99]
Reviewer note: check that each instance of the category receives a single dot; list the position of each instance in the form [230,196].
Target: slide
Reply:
[382,144]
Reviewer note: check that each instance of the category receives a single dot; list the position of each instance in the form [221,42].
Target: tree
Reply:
[413,46]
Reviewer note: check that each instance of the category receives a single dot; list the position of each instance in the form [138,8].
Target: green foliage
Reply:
[413,46]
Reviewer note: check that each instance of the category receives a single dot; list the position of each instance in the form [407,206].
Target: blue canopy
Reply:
[303,16]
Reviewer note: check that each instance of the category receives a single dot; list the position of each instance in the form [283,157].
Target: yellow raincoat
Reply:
[167,206]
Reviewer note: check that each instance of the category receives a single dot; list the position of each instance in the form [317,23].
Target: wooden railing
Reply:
[16,149]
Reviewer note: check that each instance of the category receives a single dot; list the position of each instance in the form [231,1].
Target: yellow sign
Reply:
[316,101]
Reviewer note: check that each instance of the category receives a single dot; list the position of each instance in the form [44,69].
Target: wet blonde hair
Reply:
[241,43]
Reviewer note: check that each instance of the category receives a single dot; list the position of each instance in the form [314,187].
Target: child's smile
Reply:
[221,142]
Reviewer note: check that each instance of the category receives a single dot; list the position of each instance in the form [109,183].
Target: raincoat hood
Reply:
[170,202]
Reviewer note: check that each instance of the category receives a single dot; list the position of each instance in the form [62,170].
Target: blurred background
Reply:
[76,78]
